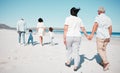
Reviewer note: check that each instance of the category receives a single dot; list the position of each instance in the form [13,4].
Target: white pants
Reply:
[73,44]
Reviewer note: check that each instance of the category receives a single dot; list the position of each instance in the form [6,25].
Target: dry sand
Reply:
[17,58]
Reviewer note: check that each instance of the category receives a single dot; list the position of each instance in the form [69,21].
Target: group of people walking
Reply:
[72,36]
[21,29]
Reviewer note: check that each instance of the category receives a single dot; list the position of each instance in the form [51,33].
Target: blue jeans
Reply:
[21,36]
[30,39]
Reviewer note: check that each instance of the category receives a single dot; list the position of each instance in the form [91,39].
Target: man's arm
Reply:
[94,29]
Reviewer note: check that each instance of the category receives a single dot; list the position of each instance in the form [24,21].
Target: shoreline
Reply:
[59,31]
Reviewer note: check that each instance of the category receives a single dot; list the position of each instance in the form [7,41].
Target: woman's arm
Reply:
[65,32]
[84,31]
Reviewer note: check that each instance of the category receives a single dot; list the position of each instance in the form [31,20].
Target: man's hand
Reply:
[107,40]
[90,37]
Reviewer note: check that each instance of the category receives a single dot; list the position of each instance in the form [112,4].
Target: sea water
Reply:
[114,34]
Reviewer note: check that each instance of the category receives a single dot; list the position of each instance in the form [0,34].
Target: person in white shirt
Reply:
[21,29]
[51,35]
[41,30]
[72,37]
[103,28]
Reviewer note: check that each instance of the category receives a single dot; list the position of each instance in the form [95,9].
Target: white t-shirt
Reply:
[74,23]
[40,27]
[104,22]
[21,25]
[51,34]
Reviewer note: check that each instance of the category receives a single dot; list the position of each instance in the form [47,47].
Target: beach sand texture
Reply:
[16,58]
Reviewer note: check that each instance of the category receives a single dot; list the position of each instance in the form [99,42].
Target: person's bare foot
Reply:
[106,66]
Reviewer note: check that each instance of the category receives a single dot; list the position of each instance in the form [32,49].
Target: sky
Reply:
[54,12]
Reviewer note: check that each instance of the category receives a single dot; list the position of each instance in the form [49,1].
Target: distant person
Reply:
[41,30]
[103,28]
[51,35]
[30,37]
[21,29]
[72,37]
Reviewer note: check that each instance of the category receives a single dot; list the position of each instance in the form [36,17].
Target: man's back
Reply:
[104,22]
[21,25]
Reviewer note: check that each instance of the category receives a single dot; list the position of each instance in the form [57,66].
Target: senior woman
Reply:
[72,37]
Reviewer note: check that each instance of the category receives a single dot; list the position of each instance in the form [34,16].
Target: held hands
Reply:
[89,37]
[65,42]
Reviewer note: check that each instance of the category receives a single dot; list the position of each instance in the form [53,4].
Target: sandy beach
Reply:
[17,58]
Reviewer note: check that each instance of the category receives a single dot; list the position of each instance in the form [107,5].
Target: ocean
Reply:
[114,34]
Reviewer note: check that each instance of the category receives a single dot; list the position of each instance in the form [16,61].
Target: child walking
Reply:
[30,37]
[51,35]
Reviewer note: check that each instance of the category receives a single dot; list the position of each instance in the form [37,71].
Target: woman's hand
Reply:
[64,40]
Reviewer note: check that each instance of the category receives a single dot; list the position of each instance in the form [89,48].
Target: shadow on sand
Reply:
[82,60]
[48,43]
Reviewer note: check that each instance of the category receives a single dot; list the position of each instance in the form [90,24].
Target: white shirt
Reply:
[104,22]
[40,27]
[74,23]
[51,34]
[21,25]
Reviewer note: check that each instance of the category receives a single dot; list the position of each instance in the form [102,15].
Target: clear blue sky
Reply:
[54,12]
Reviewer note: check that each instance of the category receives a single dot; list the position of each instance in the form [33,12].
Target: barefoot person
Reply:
[40,30]
[51,33]
[103,28]
[72,37]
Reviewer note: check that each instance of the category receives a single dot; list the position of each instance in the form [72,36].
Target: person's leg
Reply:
[28,40]
[105,61]
[32,41]
[41,40]
[75,48]
[69,49]
[99,43]
[24,38]
[19,37]
[105,55]
[52,40]
[101,48]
